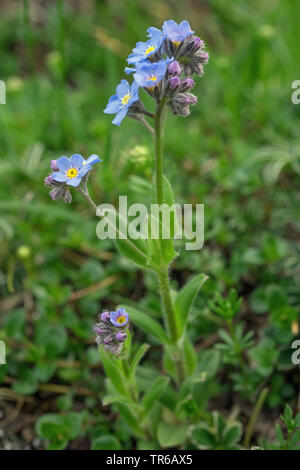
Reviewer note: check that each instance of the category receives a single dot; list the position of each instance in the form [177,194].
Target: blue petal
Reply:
[152,30]
[93,159]
[63,163]
[74,181]
[83,171]
[113,105]
[122,89]
[120,116]
[59,176]
[132,58]
[134,88]
[77,161]
[129,70]
[185,28]
[170,27]
[140,79]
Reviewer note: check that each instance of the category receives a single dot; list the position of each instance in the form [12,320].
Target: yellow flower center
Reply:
[121,320]
[152,79]
[150,49]
[72,172]
[125,99]
[176,43]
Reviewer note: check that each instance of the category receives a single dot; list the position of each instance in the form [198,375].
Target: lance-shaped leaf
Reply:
[147,324]
[137,358]
[154,393]
[113,372]
[133,248]
[185,299]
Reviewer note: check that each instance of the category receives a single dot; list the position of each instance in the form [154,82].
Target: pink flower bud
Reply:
[174,82]
[120,336]
[53,165]
[48,180]
[197,42]
[186,84]
[174,68]
[104,316]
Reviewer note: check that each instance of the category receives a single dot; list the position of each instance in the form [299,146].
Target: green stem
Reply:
[164,285]
[254,416]
[286,447]
[158,152]
[163,273]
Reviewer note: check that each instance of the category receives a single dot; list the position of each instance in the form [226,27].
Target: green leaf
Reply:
[279,434]
[163,251]
[14,323]
[118,398]
[52,339]
[160,251]
[185,299]
[135,249]
[209,363]
[137,358]
[113,372]
[106,443]
[59,429]
[190,356]
[168,192]
[202,437]
[171,435]
[154,393]
[129,418]
[232,434]
[147,324]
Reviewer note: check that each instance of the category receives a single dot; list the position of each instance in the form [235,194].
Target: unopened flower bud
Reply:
[48,181]
[174,82]
[104,316]
[197,43]
[67,197]
[186,84]
[174,68]
[56,193]
[53,165]
[120,336]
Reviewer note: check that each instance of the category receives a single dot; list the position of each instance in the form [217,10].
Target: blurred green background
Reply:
[238,153]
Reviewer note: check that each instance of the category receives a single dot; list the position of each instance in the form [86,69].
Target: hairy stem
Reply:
[158,152]
[163,273]
[164,285]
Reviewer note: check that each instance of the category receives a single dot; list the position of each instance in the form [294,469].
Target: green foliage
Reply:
[58,430]
[185,299]
[227,307]
[217,435]
[238,154]
[106,443]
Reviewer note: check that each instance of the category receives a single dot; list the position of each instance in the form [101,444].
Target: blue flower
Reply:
[143,50]
[72,170]
[149,75]
[152,30]
[130,70]
[119,103]
[92,160]
[119,318]
[177,33]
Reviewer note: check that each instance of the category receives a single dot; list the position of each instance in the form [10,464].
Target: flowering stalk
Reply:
[162,67]
[163,274]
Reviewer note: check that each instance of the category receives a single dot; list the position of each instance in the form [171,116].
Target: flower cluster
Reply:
[162,65]
[68,172]
[111,330]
